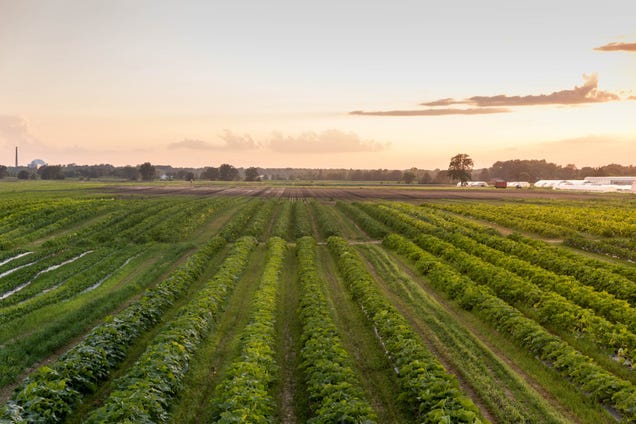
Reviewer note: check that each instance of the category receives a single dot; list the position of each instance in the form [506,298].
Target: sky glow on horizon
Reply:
[331,84]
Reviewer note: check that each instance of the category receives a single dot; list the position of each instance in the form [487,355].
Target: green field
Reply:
[253,303]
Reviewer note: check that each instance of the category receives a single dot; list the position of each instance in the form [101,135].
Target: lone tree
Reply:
[460,168]
[147,171]
[251,174]
[228,172]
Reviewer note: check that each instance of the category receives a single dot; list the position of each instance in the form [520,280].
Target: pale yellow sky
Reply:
[202,83]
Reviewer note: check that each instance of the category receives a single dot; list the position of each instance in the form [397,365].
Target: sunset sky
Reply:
[356,84]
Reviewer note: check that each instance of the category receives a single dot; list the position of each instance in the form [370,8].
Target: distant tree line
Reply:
[511,170]
[535,170]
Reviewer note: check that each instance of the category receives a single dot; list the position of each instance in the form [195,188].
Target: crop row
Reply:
[257,225]
[50,393]
[54,276]
[244,395]
[507,395]
[604,247]
[370,225]
[43,219]
[181,224]
[581,370]
[283,221]
[20,258]
[605,304]
[111,227]
[145,392]
[324,219]
[332,385]
[233,229]
[80,281]
[603,276]
[428,391]
[602,220]
[11,283]
[302,220]
[549,307]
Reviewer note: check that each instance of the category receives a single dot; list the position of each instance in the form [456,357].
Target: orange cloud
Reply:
[231,142]
[432,112]
[329,141]
[587,93]
[14,130]
[613,47]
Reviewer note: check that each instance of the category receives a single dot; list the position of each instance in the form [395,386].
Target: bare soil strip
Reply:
[352,193]
[289,389]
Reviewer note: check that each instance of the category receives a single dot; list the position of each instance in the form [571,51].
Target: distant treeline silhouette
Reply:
[510,170]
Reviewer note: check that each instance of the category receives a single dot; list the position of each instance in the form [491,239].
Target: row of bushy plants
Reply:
[47,217]
[281,227]
[50,393]
[427,389]
[64,222]
[603,303]
[603,276]
[334,391]
[81,280]
[549,307]
[48,279]
[324,219]
[602,247]
[23,275]
[581,370]
[302,220]
[13,260]
[144,394]
[234,228]
[257,225]
[368,224]
[245,395]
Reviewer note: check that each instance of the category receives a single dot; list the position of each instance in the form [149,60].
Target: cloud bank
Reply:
[614,47]
[329,141]
[14,130]
[587,93]
[482,105]
[231,142]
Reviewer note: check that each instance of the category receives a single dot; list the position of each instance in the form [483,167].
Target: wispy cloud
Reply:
[613,47]
[14,130]
[432,112]
[587,93]
[230,142]
[482,105]
[329,141]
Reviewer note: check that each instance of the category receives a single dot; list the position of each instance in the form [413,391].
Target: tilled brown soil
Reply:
[353,193]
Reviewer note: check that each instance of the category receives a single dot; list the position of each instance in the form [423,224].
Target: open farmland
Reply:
[215,303]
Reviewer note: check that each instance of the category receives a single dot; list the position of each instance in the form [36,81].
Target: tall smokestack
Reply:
[16,156]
